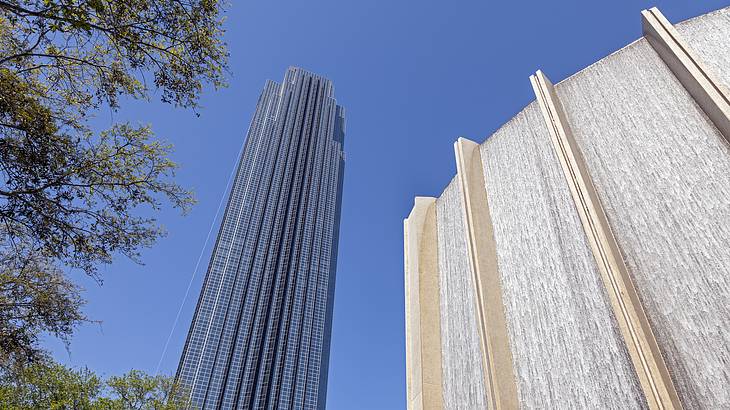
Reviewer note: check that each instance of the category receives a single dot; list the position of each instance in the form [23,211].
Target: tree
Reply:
[72,190]
[49,385]
[140,391]
[35,297]
[72,195]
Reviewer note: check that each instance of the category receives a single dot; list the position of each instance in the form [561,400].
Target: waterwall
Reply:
[582,253]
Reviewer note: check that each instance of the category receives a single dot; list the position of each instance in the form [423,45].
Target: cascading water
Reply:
[566,346]
[463,375]
[709,37]
[662,172]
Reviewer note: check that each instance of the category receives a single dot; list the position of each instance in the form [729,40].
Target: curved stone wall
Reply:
[463,376]
[662,173]
[604,212]
[558,313]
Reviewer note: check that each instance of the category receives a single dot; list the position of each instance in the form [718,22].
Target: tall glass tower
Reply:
[260,335]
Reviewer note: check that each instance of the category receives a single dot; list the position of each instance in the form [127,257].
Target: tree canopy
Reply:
[49,385]
[73,195]
[35,297]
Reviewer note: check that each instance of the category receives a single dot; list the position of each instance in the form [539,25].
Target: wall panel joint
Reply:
[688,69]
[640,342]
[496,353]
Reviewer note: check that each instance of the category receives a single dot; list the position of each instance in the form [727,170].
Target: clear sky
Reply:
[413,76]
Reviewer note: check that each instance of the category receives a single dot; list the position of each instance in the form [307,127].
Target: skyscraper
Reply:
[260,334]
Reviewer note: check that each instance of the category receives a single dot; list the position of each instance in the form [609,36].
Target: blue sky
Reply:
[413,76]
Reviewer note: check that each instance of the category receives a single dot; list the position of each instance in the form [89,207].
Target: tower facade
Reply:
[260,334]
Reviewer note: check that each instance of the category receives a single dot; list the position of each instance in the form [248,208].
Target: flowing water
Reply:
[709,37]
[662,172]
[566,346]
[463,375]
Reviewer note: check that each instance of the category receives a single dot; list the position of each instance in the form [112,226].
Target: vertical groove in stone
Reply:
[567,348]
[463,375]
[662,172]
[708,36]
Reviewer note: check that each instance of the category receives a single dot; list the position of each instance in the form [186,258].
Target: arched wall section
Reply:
[653,159]
[463,373]
[662,172]
[565,343]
